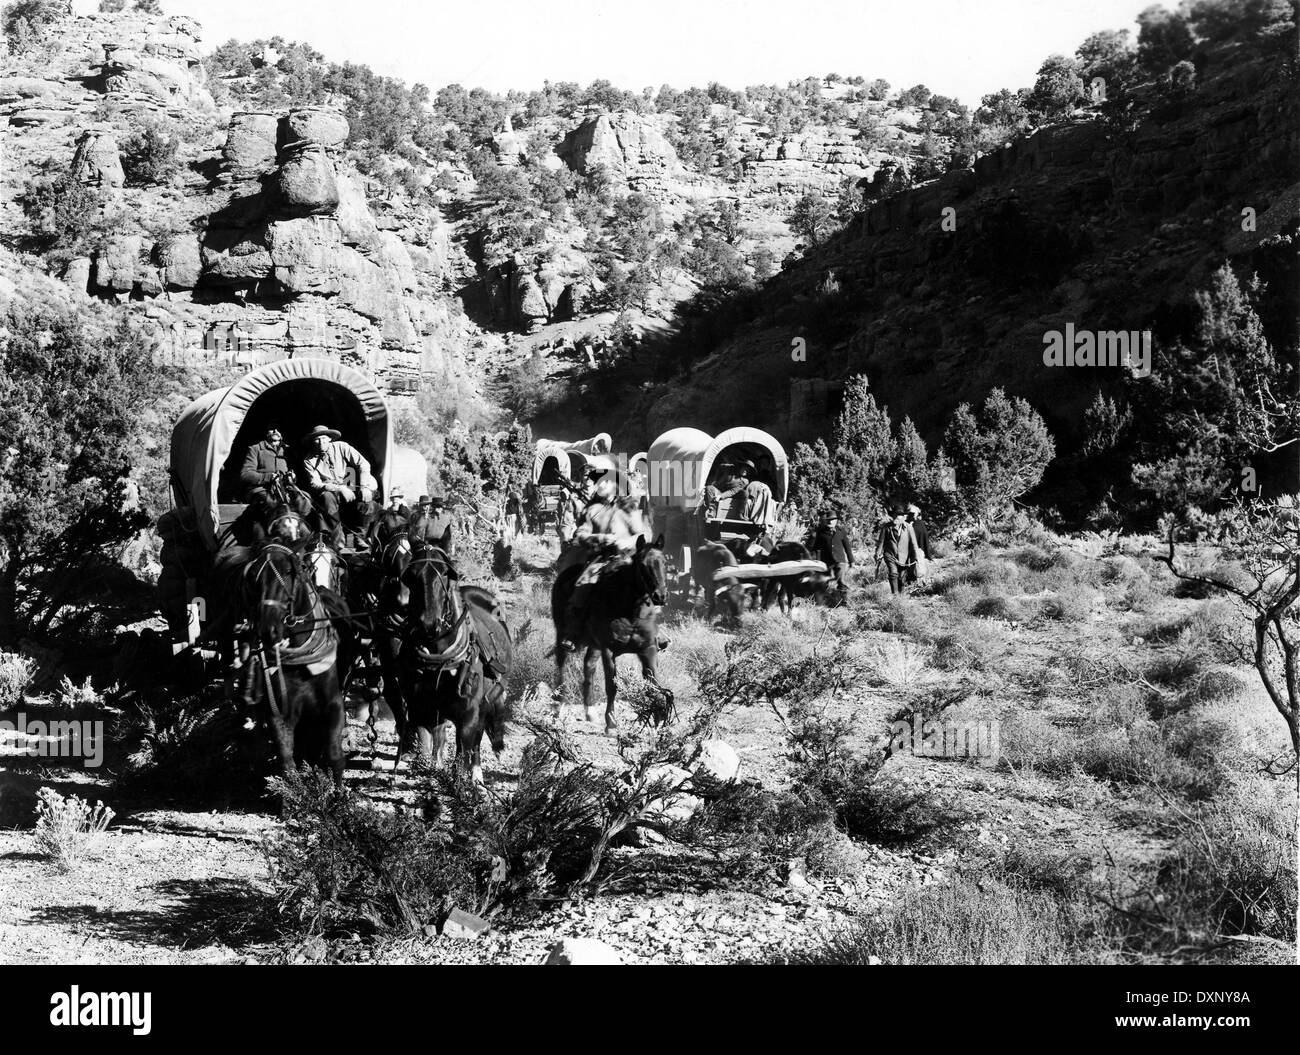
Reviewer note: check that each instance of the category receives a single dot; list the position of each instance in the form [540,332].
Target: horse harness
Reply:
[320,649]
[458,657]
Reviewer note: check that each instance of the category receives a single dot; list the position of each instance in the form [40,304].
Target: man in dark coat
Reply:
[830,545]
[896,546]
[264,462]
[922,534]
[431,521]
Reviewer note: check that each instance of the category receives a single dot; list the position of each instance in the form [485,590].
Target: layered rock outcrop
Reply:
[260,243]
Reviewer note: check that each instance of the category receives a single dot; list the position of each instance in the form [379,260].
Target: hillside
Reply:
[579,257]
[1087,222]
[258,201]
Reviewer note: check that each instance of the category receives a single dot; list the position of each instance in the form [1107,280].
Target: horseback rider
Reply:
[606,531]
[329,466]
[431,521]
[265,462]
[394,518]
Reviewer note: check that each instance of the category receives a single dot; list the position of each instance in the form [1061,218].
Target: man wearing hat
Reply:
[607,533]
[896,545]
[392,519]
[431,521]
[830,545]
[265,461]
[330,465]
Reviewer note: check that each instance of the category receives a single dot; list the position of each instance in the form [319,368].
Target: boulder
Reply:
[96,161]
[314,124]
[150,284]
[624,143]
[528,302]
[306,254]
[717,765]
[465,926]
[579,952]
[77,274]
[231,256]
[119,81]
[305,184]
[180,260]
[250,144]
[675,807]
[117,263]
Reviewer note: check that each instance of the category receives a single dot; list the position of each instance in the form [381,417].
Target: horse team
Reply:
[309,622]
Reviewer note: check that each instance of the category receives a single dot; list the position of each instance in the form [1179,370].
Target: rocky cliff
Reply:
[265,243]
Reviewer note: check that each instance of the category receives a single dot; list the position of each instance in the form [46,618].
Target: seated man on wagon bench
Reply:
[329,466]
[265,463]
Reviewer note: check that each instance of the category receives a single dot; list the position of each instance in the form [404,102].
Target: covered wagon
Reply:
[213,435]
[683,462]
[560,467]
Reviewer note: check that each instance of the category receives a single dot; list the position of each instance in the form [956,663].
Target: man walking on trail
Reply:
[330,464]
[922,534]
[265,462]
[896,545]
[830,545]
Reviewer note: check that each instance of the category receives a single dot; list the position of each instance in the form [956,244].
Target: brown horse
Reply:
[729,597]
[455,654]
[292,660]
[621,617]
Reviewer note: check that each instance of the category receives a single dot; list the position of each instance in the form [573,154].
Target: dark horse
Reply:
[621,617]
[455,654]
[292,660]
[377,590]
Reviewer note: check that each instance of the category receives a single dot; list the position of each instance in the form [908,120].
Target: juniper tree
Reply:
[70,393]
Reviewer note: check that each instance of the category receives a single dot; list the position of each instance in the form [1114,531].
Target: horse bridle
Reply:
[289,517]
[396,542]
[253,572]
[438,560]
[458,627]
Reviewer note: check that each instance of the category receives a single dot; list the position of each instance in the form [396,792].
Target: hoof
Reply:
[587,715]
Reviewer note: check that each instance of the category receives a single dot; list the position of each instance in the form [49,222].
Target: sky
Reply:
[962,48]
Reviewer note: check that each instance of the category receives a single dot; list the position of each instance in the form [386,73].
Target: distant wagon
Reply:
[682,462]
[560,467]
[209,443]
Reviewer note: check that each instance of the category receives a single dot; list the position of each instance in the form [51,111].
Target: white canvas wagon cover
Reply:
[682,461]
[297,393]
